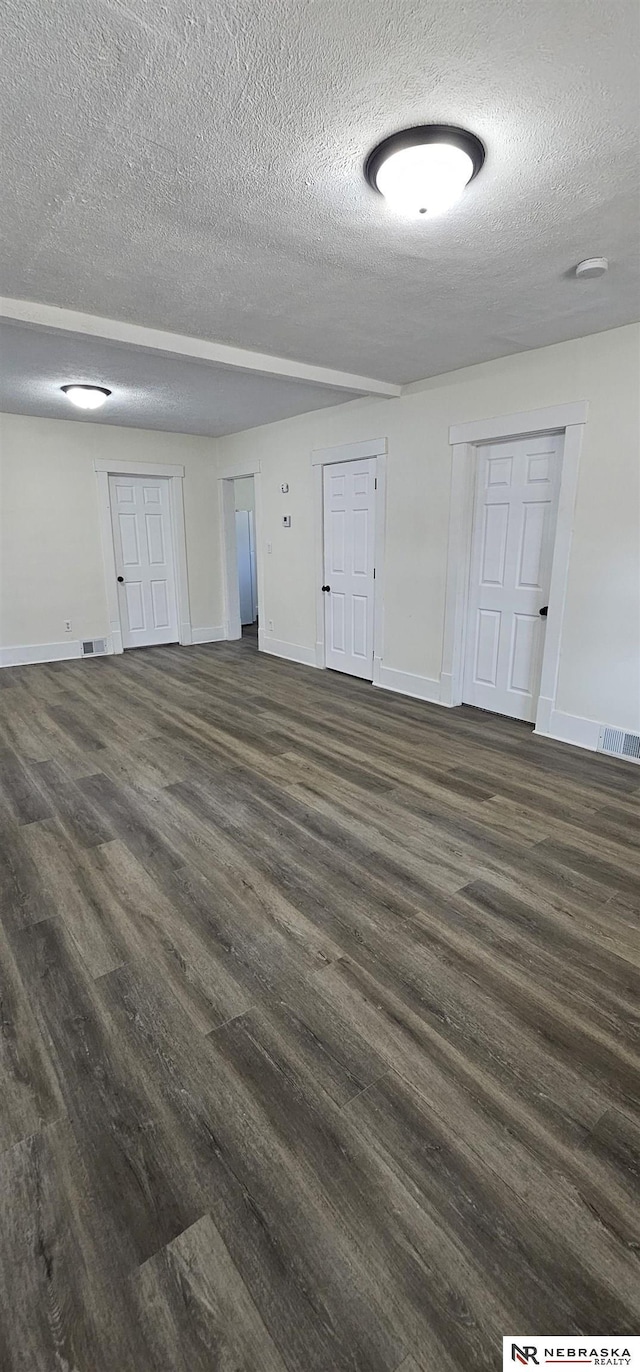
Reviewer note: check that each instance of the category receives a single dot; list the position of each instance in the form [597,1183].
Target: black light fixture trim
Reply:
[84,386]
[424,133]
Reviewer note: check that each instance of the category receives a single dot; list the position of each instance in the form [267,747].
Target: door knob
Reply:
[544,611]
[120,578]
[326,588]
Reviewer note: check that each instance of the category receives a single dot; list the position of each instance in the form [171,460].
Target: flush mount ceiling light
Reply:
[423,171]
[86,397]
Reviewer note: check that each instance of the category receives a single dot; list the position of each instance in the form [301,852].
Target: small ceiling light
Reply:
[423,171]
[86,397]
[591,267]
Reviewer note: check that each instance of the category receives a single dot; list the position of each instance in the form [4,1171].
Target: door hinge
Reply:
[374,573]
[375,483]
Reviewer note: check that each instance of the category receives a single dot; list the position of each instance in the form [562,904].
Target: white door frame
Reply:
[230,590]
[465,439]
[324,457]
[104,468]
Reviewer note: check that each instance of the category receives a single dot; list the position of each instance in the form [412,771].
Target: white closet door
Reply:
[349,527]
[517,486]
[141,519]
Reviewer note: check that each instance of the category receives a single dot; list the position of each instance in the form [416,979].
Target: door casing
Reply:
[105,468]
[502,697]
[346,659]
[569,419]
[230,592]
[320,458]
[147,635]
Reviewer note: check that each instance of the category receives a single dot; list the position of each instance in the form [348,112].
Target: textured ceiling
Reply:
[150,390]
[197,166]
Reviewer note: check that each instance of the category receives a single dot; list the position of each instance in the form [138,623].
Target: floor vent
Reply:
[93,647]
[619,743]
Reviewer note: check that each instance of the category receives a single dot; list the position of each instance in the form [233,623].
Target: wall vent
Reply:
[93,647]
[619,743]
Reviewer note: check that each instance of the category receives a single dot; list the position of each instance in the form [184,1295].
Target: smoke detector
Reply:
[591,268]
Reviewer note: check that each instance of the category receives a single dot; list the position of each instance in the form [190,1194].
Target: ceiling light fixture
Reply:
[86,397]
[423,171]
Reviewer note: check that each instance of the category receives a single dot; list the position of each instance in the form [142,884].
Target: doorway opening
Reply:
[246,561]
[242,571]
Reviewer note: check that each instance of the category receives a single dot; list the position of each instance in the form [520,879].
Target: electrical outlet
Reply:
[269,547]
[67,625]
[270,626]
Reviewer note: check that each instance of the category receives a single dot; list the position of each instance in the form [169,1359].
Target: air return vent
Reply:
[619,743]
[92,647]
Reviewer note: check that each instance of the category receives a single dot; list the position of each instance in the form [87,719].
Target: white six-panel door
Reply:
[141,519]
[349,540]
[516,497]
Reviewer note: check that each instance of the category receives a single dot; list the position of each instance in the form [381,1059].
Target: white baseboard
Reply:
[23,654]
[564,728]
[407,683]
[583,733]
[214,635]
[294,652]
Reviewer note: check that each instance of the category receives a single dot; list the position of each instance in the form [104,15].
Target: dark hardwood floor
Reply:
[319,1024]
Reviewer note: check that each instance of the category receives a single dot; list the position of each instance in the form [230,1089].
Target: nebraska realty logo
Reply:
[526,1350]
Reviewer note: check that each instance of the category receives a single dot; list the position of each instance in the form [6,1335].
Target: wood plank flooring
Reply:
[319,1024]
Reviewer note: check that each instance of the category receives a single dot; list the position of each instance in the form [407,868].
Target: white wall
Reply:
[50,549]
[51,558]
[600,659]
[244,492]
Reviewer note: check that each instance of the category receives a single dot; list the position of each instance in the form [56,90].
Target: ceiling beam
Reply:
[182,345]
